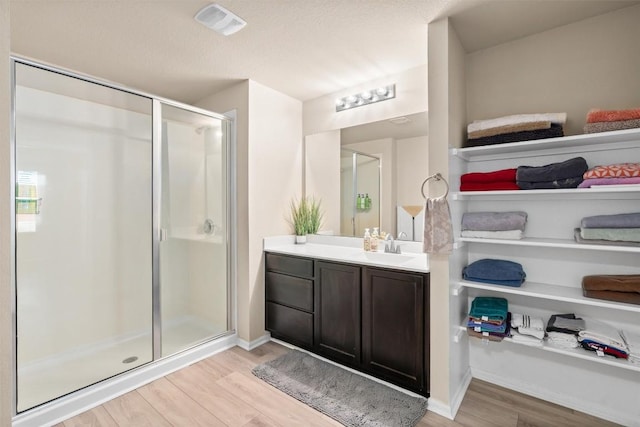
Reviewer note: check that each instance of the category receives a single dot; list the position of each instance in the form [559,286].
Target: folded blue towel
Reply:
[571,168]
[492,308]
[494,269]
[629,220]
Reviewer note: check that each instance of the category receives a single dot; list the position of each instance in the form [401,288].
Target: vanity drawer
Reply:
[288,290]
[289,324]
[301,267]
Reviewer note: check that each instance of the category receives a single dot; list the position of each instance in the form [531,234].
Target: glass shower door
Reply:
[194,222]
[83,220]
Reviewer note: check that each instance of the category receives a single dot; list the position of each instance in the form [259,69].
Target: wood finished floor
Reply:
[222,391]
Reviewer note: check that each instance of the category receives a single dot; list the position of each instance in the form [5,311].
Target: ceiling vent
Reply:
[220,19]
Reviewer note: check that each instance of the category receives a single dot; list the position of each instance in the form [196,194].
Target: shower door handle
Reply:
[163,234]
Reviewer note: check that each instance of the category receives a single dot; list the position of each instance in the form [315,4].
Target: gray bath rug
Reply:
[351,399]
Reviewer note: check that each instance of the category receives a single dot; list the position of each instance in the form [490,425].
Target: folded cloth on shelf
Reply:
[495,271]
[487,326]
[525,339]
[597,115]
[491,308]
[609,126]
[599,347]
[502,175]
[476,125]
[489,186]
[546,185]
[633,344]
[570,168]
[517,127]
[626,297]
[527,325]
[609,181]
[627,220]
[554,131]
[492,335]
[612,282]
[573,328]
[615,170]
[505,235]
[484,335]
[494,221]
[479,320]
[616,234]
[560,339]
[602,333]
[578,238]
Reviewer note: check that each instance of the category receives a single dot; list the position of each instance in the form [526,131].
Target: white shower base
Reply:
[59,375]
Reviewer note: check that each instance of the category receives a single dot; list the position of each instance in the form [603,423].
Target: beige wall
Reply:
[411,97]
[322,175]
[572,68]
[6,333]
[411,166]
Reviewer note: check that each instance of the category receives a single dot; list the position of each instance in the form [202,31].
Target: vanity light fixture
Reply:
[367,97]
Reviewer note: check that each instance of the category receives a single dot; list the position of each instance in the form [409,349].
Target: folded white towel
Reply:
[527,325]
[506,234]
[562,340]
[525,339]
[602,333]
[516,320]
[558,118]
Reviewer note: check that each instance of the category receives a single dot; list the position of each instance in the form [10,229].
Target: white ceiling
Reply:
[304,48]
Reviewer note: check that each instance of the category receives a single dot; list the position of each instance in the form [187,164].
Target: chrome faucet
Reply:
[390,246]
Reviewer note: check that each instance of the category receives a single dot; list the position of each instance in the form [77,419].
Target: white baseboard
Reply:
[458,396]
[556,398]
[250,345]
[92,396]
[439,408]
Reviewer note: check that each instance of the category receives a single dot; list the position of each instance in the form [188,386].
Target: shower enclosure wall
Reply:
[359,176]
[122,244]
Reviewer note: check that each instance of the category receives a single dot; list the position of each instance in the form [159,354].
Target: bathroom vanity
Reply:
[366,310]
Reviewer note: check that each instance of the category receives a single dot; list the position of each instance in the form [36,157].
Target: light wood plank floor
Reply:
[222,391]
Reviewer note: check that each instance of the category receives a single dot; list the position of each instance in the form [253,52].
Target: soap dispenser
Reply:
[374,240]
[367,240]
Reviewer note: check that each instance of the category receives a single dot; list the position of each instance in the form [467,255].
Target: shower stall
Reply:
[359,192]
[122,246]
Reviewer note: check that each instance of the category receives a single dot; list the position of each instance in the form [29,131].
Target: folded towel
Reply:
[603,349]
[578,238]
[610,126]
[533,326]
[518,127]
[438,232]
[503,175]
[495,271]
[603,333]
[614,234]
[628,220]
[489,186]
[491,308]
[562,340]
[546,185]
[525,339]
[485,335]
[616,170]
[578,326]
[570,168]
[609,181]
[624,297]
[612,282]
[494,221]
[596,115]
[558,118]
[504,235]
[479,320]
[554,131]
[487,327]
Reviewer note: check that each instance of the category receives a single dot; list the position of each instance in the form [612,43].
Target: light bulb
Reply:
[382,91]
[339,102]
[366,95]
[352,99]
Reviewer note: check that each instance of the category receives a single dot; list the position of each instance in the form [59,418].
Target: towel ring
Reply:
[437,177]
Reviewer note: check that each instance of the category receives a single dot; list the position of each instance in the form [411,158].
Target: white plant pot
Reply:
[301,240]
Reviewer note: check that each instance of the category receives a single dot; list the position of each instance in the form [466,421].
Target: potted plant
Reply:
[306,218]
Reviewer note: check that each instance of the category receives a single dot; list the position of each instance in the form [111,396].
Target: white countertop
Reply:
[350,250]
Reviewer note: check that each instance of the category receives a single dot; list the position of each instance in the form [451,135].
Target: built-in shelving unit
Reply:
[552,243]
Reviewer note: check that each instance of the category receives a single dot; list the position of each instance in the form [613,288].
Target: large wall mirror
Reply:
[370,175]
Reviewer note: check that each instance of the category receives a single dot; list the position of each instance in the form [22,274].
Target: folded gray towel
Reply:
[629,220]
[546,185]
[553,172]
[494,221]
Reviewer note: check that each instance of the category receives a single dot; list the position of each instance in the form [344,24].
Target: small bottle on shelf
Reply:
[367,240]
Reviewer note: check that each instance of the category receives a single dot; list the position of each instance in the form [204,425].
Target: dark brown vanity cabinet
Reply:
[337,307]
[395,326]
[371,319]
[289,299]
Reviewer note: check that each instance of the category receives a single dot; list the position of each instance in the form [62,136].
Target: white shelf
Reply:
[595,193]
[627,138]
[546,291]
[552,243]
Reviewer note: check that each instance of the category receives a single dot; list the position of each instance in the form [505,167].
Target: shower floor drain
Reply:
[130,359]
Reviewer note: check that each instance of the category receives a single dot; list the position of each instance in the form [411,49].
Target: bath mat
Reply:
[349,398]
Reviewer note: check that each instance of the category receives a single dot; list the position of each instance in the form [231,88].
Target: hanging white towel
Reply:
[438,232]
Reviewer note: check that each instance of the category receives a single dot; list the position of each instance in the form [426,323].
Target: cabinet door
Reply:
[337,312]
[394,338]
